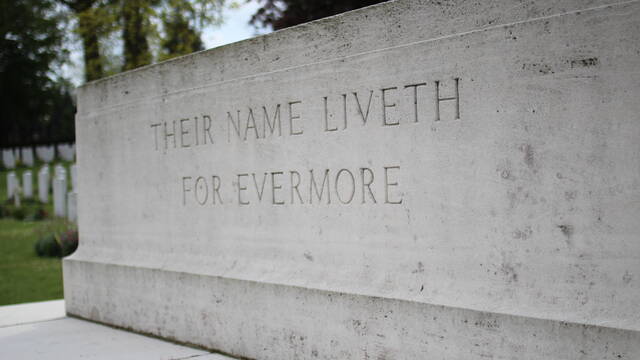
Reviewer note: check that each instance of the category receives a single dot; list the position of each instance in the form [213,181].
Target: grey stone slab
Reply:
[31,312]
[70,338]
[458,179]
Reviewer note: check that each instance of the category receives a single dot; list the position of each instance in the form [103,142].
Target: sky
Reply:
[235,28]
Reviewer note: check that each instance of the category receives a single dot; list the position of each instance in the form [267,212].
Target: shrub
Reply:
[40,214]
[48,246]
[57,245]
[69,242]
[19,213]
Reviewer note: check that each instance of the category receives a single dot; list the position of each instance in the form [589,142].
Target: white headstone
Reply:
[27,184]
[8,159]
[27,156]
[72,200]
[43,184]
[46,154]
[66,151]
[59,196]
[59,170]
[12,184]
[74,179]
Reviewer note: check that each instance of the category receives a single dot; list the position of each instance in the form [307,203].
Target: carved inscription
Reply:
[297,187]
[408,104]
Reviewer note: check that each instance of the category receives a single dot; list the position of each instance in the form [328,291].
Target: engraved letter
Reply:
[206,121]
[337,186]
[367,184]
[184,189]
[236,125]
[326,117]
[363,115]
[201,183]
[294,186]
[313,186]
[240,189]
[251,124]
[455,97]
[275,187]
[388,184]
[169,134]
[272,126]
[260,191]
[183,133]
[216,188]
[385,106]
[293,117]
[415,98]
[155,133]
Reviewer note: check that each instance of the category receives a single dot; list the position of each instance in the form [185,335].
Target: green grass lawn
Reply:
[25,277]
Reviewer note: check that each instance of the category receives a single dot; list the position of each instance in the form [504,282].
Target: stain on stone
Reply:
[570,195]
[509,272]
[540,68]
[419,268]
[523,234]
[529,155]
[567,230]
[627,277]
[593,61]
[308,256]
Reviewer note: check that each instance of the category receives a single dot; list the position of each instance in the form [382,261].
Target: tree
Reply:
[95,20]
[136,26]
[31,35]
[180,37]
[280,14]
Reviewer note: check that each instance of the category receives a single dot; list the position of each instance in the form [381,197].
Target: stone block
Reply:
[458,179]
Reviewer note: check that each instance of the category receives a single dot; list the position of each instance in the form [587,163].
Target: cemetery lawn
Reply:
[25,277]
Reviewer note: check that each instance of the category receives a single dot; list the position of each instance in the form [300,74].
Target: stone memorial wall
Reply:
[446,180]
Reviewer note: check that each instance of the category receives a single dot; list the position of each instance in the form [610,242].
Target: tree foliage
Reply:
[280,14]
[36,106]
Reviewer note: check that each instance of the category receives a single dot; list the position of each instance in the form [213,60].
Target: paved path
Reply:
[42,331]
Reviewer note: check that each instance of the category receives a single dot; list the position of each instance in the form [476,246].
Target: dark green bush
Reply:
[48,246]
[19,213]
[69,242]
[54,245]
[40,214]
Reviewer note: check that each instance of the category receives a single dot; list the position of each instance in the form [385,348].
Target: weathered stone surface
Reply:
[481,198]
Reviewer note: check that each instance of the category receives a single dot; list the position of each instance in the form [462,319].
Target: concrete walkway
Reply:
[42,331]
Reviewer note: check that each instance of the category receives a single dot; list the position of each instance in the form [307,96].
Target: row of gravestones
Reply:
[46,154]
[64,202]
